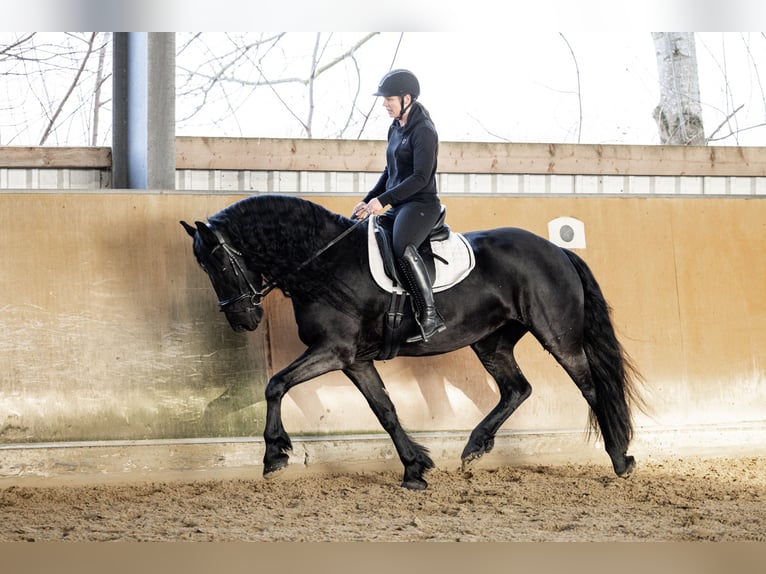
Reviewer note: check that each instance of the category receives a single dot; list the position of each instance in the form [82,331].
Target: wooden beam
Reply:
[571,159]
[280,154]
[472,157]
[56,157]
[267,154]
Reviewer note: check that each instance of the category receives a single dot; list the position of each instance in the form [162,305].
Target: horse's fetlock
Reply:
[274,391]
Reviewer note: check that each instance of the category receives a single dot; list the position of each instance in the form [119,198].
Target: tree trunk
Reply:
[679,113]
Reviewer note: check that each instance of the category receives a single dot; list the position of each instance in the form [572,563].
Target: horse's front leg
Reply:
[414,457]
[312,363]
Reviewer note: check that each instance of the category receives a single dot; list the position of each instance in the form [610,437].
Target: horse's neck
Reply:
[293,250]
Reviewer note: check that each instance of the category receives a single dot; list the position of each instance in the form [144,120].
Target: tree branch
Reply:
[391,67]
[73,85]
[7,50]
[579,93]
[723,123]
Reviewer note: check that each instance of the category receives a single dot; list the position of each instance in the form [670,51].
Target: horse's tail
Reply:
[612,370]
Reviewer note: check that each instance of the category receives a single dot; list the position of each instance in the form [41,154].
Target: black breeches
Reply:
[412,222]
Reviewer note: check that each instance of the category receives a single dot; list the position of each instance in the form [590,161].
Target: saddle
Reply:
[448,256]
[449,259]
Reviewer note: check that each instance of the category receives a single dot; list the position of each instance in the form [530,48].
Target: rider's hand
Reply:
[359,211]
[373,207]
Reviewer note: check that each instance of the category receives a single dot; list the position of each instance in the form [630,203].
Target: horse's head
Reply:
[239,290]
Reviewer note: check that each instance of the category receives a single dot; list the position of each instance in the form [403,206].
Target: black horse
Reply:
[521,283]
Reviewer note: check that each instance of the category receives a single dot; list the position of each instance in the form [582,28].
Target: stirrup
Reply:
[440,326]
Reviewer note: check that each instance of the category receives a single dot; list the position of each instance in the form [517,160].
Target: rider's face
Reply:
[393,104]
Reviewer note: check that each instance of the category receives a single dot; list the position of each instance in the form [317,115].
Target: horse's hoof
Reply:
[468,461]
[630,466]
[470,458]
[274,469]
[415,484]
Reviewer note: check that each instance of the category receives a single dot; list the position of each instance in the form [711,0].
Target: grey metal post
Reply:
[143,141]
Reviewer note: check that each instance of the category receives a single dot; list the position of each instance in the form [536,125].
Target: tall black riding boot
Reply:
[419,285]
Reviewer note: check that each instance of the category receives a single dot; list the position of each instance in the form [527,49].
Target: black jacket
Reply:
[411,156]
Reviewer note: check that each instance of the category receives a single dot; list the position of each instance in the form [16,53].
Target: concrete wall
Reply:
[108,327]
[110,331]
[685,281]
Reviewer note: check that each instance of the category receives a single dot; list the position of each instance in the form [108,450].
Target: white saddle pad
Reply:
[455,250]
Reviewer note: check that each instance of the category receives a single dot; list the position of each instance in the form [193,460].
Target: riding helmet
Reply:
[398,83]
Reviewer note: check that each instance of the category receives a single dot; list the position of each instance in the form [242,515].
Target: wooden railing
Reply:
[267,154]
[472,157]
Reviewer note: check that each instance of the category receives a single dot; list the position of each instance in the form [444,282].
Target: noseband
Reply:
[252,294]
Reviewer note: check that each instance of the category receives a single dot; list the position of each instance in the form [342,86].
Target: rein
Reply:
[326,247]
[256,296]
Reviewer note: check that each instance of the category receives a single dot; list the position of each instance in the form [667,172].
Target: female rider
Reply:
[408,186]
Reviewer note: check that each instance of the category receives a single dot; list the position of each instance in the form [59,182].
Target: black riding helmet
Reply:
[399,83]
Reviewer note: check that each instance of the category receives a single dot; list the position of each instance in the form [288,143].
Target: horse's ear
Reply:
[207,234]
[189,229]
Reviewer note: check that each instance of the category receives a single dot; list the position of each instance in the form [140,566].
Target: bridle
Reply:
[252,294]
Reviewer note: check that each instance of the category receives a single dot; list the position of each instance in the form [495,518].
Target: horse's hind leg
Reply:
[414,457]
[609,411]
[496,354]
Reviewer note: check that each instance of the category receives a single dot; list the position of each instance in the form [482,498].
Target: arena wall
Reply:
[114,357]
[111,332]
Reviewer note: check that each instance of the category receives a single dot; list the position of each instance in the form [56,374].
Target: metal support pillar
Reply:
[143,140]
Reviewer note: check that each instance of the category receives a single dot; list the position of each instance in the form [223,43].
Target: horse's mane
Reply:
[277,233]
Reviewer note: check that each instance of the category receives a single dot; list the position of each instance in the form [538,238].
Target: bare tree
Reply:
[60,74]
[14,56]
[52,119]
[61,83]
[679,113]
[55,88]
[727,112]
[101,76]
[227,69]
